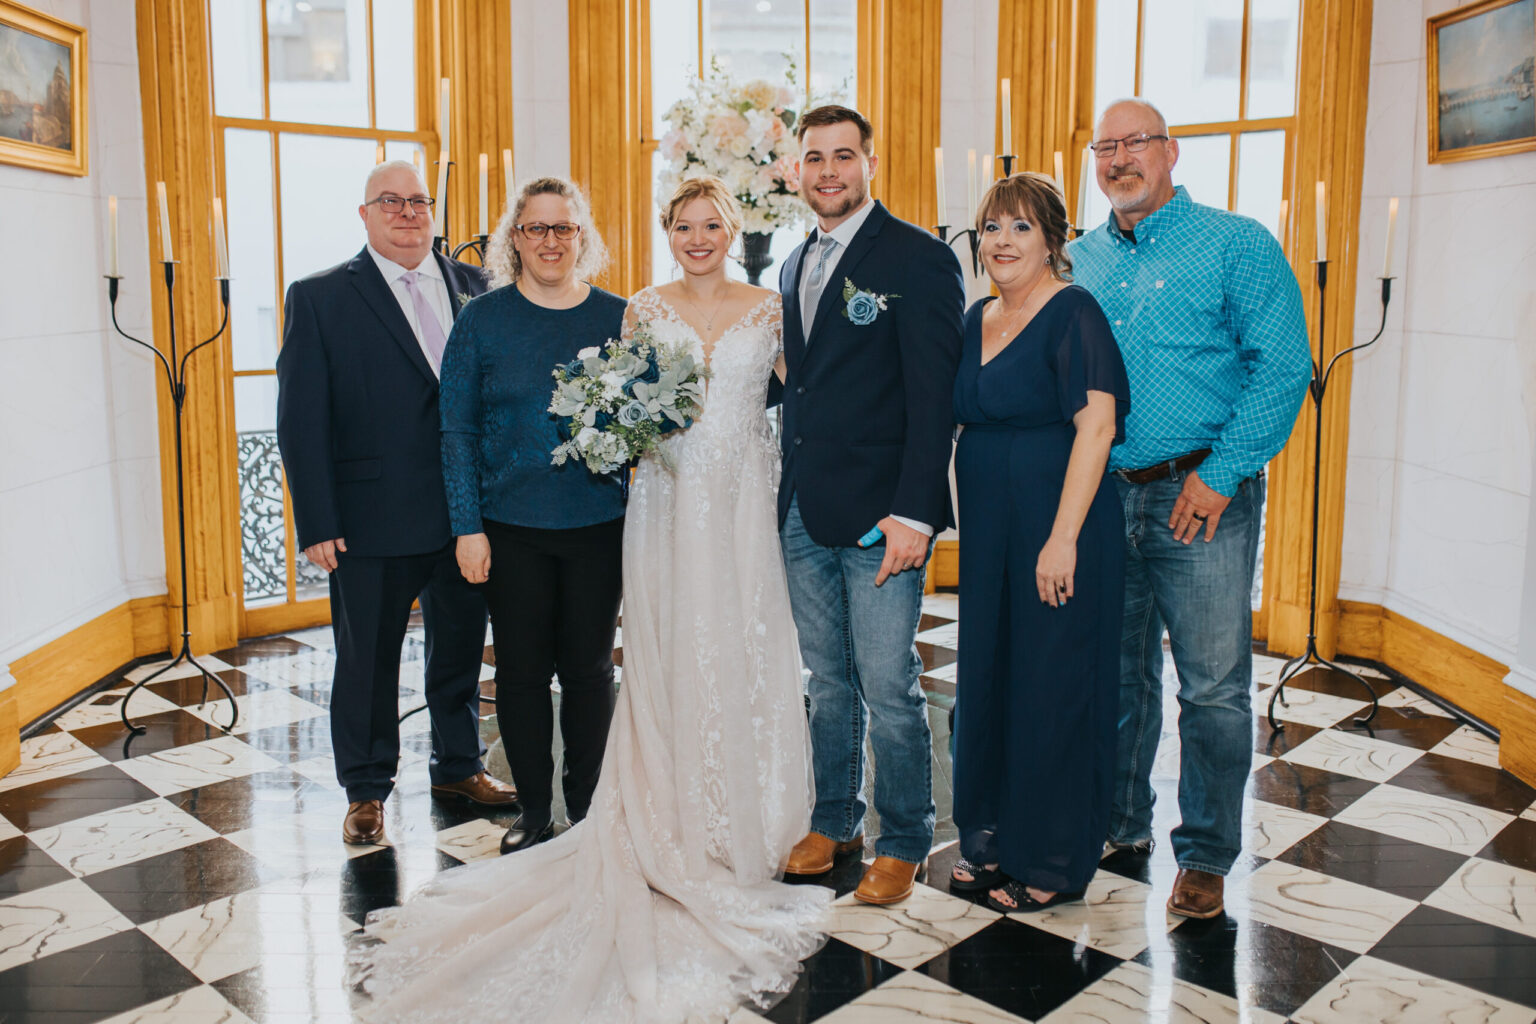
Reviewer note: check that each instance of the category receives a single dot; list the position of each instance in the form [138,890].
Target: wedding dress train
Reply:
[664,905]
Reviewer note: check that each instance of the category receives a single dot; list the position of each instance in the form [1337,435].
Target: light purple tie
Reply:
[431,331]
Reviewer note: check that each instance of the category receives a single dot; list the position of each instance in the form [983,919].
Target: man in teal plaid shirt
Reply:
[1208,317]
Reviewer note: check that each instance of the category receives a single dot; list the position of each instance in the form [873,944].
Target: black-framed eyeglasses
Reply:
[1105,148]
[395,205]
[565,231]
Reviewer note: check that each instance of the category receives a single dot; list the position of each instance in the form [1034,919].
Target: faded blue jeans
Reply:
[1200,593]
[857,640]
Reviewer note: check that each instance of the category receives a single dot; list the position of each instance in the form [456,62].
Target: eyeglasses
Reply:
[1105,148]
[395,205]
[565,231]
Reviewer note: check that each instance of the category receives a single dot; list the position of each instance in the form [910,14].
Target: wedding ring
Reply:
[1198,515]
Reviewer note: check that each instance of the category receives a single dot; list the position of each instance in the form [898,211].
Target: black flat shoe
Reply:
[1027,904]
[982,878]
[520,837]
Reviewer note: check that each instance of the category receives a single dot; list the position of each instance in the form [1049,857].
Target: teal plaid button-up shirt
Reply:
[1208,317]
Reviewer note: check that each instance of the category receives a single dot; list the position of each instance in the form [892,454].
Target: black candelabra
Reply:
[440,243]
[175,370]
[1321,373]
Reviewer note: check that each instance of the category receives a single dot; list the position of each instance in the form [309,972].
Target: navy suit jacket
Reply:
[868,416]
[357,416]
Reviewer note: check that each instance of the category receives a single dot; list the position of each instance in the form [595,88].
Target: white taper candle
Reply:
[220,246]
[1386,260]
[112,237]
[165,222]
[1322,222]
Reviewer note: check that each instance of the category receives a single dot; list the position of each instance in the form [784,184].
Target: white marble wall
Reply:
[541,90]
[80,519]
[1442,410]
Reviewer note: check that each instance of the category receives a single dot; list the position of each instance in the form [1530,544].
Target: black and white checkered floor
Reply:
[187,875]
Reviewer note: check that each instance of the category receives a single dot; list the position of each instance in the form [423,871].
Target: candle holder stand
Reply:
[1321,374]
[1007,159]
[942,231]
[175,372]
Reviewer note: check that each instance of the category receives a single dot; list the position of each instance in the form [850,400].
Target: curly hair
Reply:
[501,258]
[1035,196]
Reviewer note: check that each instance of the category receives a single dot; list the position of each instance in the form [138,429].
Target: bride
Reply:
[664,904]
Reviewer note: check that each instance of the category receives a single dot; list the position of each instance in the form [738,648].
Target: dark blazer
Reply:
[357,415]
[868,416]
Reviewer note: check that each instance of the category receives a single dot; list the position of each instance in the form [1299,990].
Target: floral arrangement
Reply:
[863,306]
[617,403]
[745,135]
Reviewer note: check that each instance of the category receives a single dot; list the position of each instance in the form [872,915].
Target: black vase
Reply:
[754,254]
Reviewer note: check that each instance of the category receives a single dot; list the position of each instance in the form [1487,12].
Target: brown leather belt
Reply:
[1163,470]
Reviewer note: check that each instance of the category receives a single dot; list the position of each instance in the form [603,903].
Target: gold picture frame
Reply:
[1482,98]
[42,91]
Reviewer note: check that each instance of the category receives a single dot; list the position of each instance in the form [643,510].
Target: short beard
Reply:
[1123,201]
[851,199]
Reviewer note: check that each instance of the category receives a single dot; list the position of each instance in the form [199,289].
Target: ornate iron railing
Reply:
[263,547]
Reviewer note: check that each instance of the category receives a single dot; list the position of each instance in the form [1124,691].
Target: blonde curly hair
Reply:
[501,258]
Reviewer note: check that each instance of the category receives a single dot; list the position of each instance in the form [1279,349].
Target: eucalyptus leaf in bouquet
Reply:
[618,402]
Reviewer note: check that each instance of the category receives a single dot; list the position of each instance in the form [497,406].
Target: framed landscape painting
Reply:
[1482,98]
[42,91]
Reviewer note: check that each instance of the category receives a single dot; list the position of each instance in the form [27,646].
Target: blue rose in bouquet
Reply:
[863,306]
[616,403]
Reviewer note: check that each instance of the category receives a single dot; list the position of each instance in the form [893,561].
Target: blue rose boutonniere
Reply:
[861,306]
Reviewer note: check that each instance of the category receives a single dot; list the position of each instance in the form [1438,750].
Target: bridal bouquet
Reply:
[616,403]
[745,135]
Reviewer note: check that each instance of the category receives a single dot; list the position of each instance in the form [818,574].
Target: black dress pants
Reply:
[554,600]
[370,612]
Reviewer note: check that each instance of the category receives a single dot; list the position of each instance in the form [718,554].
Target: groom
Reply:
[872,330]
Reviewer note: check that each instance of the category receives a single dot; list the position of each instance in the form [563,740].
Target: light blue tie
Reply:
[816,282]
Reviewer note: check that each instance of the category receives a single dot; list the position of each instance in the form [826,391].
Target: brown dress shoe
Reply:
[479,788]
[814,854]
[1196,894]
[887,880]
[364,823]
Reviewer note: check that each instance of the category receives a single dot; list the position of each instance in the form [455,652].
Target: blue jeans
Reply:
[1199,592]
[857,640]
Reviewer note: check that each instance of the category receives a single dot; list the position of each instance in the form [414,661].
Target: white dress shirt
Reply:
[842,235]
[433,288]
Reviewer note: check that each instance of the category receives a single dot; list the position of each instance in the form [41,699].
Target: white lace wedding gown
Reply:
[663,905]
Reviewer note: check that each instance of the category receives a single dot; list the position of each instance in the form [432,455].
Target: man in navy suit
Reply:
[357,422]
[872,333]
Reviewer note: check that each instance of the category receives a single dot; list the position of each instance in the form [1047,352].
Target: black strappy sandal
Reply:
[982,878]
[1024,902]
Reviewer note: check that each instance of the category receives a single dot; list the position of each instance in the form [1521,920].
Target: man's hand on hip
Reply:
[1197,506]
[324,553]
[905,548]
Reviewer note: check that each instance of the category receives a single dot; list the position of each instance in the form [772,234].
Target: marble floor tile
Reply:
[106,708]
[50,755]
[1424,818]
[274,930]
[1310,707]
[8,831]
[942,636]
[946,605]
[182,671]
[1529,814]
[473,840]
[321,638]
[911,932]
[197,764]
[1117,916]
[1259,761]
[1132,992]
[1323,907]
[944,672]
[1494,893]
[1403,697]
[1271,829]
[200,1005]
[1470,745]
[44,921]
[121,836]
[321,770]
[306,668]
[259,710]
[297,850]
[1351,753]
[917,998]
[1375,990]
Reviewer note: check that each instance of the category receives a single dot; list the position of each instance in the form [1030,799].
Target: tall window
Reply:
[1223,72]
[307,95]
[750,39]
